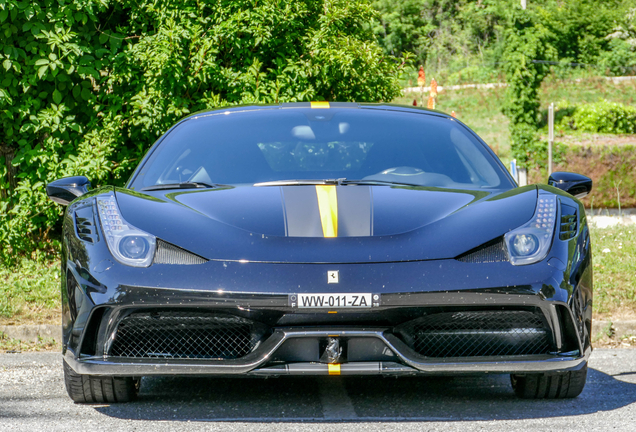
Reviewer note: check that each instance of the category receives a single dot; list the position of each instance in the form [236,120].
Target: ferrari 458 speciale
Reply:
[324,239]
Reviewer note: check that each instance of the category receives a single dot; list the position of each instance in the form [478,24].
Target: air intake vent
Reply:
[170,254]
[494,251]
[569,222]
[186,335]
[477,334]
[85,227]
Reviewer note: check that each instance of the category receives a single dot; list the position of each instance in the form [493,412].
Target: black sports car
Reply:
[324,239]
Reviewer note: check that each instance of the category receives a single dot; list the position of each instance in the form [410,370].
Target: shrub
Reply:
[620,59]
[603,117]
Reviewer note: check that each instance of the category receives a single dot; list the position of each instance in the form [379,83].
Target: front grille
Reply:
[477,333]
[490,252]
[185,335]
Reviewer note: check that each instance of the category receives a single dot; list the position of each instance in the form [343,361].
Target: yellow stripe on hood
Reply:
[322,104]
[328,208]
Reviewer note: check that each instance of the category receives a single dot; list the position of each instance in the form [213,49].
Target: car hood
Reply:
[287,224]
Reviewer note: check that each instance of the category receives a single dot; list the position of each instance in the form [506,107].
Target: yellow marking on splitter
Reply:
[334,369]
[332,312]
[328,208]
[322,104]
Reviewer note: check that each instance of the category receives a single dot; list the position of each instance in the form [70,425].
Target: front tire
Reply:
[99,389]
[550,386]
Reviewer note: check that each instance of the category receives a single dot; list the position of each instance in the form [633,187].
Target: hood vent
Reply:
[170,254]
[85,226]
[493,251]
[569,222]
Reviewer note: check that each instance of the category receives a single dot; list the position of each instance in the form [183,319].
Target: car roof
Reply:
[316,105]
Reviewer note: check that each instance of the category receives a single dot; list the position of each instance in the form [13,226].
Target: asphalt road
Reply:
[33,398]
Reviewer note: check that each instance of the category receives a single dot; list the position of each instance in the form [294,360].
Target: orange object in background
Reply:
[433,88]
[421,77]
[431,102]
[414,102]
[453,114]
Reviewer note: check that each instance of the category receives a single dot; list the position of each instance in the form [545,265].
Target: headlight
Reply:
[525,244]
[531,242]
[134,247]
[129,245]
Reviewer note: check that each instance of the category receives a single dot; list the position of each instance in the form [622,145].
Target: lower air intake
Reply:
[477,334]
[185,335]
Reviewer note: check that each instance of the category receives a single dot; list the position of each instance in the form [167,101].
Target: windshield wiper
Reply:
[182,185]
[376,183]
[338,182]
[301,182]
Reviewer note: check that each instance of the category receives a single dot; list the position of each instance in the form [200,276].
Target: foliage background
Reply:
[88,85]
[461,41]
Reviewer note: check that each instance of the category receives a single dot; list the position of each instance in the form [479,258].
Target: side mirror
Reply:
[574,184]
[65,190]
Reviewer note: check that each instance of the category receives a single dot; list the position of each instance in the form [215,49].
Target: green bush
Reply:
[620,59]
[88,85]
[602,117]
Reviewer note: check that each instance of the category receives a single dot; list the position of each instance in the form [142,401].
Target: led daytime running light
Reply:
[539,229]
[116,229]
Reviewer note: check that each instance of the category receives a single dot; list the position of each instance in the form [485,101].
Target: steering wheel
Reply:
[401,171]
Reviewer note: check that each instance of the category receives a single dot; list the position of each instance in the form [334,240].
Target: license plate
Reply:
[331,301]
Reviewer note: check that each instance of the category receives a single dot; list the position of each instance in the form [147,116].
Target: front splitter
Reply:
[255,363]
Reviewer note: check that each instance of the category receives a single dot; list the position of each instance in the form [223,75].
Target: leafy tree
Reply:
[442,34]
[466,39]
[580,28]
[88,85]
[526,62]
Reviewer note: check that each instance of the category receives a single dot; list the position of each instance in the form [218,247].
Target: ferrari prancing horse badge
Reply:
[333,276]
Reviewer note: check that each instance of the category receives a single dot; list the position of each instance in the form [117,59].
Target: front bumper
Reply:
[261,293]
[569,352]
[407,362]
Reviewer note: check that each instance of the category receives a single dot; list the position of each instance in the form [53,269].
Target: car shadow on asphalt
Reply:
[357,399]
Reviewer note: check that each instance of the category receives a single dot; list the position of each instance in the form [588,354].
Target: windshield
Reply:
[269,145]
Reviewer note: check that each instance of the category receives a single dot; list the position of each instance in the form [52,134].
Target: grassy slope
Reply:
[614,272]
[481,108]
[30,293]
